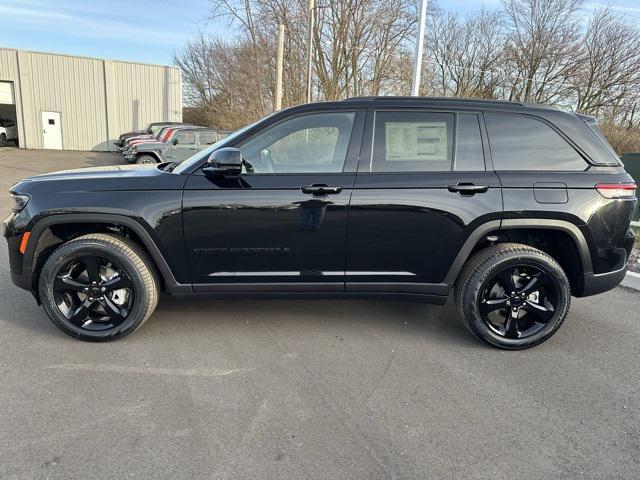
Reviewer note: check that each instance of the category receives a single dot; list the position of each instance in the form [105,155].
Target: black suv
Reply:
[513,207]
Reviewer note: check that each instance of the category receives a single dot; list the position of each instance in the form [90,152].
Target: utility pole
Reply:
[279,68]
[417,66]
[310,47]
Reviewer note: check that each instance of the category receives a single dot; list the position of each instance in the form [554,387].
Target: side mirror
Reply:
[225,161]
[175,141]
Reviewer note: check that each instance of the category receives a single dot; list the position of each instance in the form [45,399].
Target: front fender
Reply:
[171,274]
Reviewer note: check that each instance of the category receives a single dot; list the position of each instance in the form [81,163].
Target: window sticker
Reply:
[416,141]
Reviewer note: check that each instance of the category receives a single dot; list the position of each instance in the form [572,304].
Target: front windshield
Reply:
[154,129]
[189,163]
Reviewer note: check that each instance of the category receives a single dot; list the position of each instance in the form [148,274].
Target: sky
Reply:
[150,31]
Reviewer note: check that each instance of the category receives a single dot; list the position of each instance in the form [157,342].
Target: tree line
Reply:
[543,51]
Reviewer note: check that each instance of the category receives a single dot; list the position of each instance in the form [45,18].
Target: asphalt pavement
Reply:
[293,389]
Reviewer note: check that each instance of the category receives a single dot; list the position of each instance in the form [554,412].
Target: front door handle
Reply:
[317,189]
[467,188]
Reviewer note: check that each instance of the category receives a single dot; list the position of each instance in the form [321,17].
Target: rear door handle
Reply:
[467,188]
[317,189]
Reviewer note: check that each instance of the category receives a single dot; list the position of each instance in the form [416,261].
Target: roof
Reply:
[467,102]
[102,59]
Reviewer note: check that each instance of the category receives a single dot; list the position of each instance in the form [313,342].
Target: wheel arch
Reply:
[45,237]
[150,153]
[544,234]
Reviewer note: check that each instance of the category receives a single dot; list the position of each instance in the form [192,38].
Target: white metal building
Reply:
[79,103]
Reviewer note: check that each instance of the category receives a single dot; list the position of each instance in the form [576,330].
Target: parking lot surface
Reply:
[298,389]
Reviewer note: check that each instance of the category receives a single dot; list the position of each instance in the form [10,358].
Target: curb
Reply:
[631,280]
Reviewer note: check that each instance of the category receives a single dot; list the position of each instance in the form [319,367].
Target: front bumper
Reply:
[129,155]
[19,275]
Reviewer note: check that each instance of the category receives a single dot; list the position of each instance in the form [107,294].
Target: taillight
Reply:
[617,190]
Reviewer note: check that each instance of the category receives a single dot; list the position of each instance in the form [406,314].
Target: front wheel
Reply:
[3,140]
[513,296]
[98,287]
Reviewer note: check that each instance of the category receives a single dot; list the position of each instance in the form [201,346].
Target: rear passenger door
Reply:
[422,188]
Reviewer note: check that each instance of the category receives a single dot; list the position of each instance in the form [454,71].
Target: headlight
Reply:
[18,202]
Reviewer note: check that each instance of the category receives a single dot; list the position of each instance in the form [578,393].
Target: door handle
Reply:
[467,189]
[317,189]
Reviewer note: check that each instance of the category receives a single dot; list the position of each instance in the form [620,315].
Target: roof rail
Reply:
[434,99]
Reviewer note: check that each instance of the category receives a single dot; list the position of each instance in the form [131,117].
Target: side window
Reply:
[412,142]
[207,138]
[186,138]
[469,152]
[524,143]
[314,143]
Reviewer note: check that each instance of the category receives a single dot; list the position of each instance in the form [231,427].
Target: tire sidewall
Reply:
[525,259]
[73,250]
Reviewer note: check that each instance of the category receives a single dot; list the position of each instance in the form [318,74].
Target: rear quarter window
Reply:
[524,143]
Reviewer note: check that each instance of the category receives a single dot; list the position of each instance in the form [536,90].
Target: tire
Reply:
[146,160]
[3,140]
[125,275]
[533,310]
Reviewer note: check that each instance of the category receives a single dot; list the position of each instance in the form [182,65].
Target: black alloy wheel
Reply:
[519,301]
[98,287]
[93,292]
[512,296]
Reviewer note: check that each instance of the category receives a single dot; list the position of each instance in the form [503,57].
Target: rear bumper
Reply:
[595,283]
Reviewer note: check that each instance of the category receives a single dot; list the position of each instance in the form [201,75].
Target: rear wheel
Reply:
[513,296]
[146,160]
[3,140]
[98,287]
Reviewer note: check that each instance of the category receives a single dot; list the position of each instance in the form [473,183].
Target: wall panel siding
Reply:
[97,99]
[140,94]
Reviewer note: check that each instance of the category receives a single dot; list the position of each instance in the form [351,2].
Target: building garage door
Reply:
[6,93]
[8,119]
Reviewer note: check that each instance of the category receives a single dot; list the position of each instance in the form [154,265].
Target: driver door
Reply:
[282,224]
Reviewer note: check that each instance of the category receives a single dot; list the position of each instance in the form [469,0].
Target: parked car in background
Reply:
[162,135]
[8,132]
[152,129]
[183,143]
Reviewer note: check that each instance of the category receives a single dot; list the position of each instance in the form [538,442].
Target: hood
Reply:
[107,178]
[150,146]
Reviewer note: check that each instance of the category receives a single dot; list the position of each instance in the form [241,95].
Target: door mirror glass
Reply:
[225,161]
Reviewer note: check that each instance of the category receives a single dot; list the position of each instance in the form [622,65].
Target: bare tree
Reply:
[609,69]
[466,54]
[528,50]
[541,48]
